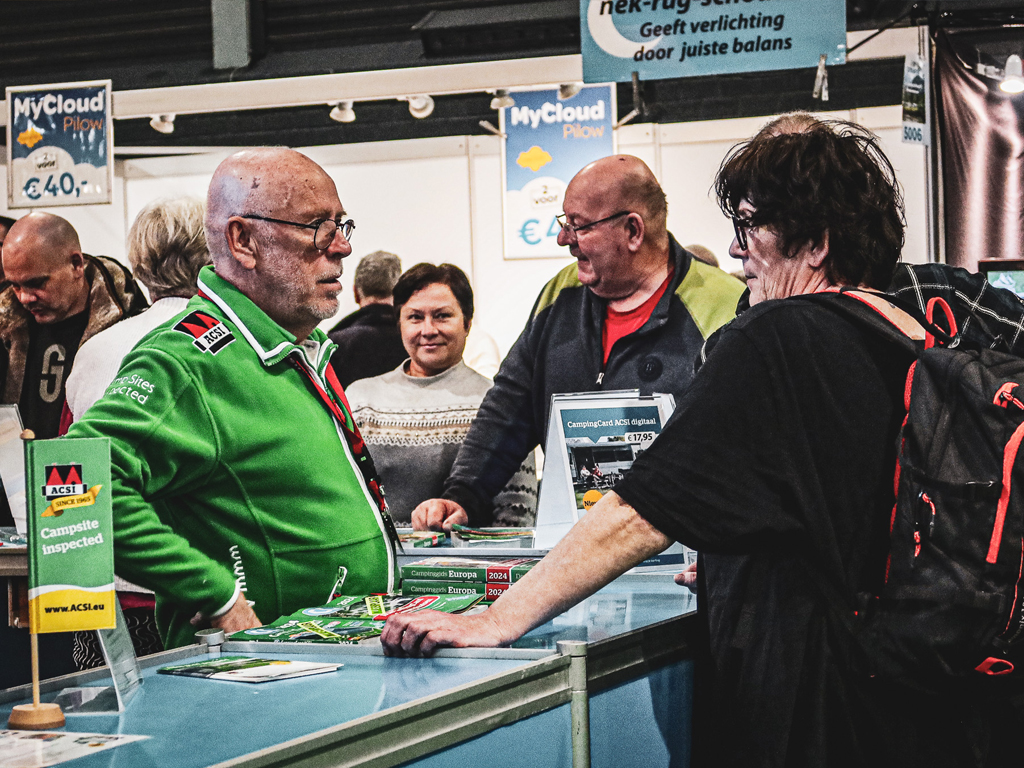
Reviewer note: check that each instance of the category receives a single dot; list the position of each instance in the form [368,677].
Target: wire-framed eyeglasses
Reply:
[741,225]
[323,230]
[560,218]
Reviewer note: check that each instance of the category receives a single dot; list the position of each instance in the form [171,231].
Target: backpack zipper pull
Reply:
[1004,396]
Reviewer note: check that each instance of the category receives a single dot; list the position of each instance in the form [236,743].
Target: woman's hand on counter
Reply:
[421,633]
[438,515]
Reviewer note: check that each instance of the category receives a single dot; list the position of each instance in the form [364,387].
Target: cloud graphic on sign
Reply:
[30,138]
[534,158]
[608,38]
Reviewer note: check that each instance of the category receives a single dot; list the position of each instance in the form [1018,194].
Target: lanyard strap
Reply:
[330,398]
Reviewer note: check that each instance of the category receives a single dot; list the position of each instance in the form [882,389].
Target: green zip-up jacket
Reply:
[229,470]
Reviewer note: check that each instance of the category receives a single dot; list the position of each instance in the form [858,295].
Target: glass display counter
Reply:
[608,683]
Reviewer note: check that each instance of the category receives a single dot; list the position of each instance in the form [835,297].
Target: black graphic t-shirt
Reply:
[51,351]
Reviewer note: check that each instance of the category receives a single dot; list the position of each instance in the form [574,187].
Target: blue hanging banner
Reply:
[547,141]
[59,145]
[683,38]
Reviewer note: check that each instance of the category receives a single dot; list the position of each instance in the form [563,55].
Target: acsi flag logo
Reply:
[63,480]
[208,333]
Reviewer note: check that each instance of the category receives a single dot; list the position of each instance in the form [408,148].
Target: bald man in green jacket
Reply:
[241,485]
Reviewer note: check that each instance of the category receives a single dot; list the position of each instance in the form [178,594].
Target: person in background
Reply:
[632,313]
[415,417]
[58,299]
[166,250]
[704,254]
[54,298]
[6,222]
[368,340]
[482,353]
[241,486]
[777,465]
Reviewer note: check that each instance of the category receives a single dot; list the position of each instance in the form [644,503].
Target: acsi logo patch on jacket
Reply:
[208,333]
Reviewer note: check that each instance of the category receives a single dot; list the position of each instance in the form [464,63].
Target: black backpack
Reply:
[951,613]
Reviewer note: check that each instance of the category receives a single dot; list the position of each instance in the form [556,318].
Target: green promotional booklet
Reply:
[290,630]
[242,669]
[421,538]
[351,619]
[70,535]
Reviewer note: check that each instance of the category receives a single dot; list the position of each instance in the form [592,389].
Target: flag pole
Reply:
[35,716]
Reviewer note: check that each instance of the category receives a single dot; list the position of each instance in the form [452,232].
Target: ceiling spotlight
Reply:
[502,100]
[342,112]
[490,127]
[568,90]
[420,106]
[1013,82]
[162,123]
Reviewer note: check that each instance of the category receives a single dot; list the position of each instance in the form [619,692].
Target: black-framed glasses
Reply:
[560,218]
[741,225]
[323,230]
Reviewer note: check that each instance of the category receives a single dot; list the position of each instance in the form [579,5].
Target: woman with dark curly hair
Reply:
[778,466]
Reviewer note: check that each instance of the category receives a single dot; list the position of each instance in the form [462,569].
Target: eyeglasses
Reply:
[741,226]
[323,230]
[560,218]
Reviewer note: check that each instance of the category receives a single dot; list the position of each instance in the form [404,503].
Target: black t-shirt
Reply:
[778,466]
[51,352]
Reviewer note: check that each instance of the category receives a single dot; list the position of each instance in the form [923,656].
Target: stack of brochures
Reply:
[244,669]
[349,619]
[464,536]
[411,538]
[464,576]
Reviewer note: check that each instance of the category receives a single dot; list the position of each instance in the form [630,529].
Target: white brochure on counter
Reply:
[592,440]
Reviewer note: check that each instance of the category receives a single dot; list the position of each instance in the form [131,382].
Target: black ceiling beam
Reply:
[876,82]
[162,43]
[858,84]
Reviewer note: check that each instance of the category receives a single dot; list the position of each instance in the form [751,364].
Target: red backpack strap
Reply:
[940,303]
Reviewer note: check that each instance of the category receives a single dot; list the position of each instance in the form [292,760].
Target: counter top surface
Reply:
[194,722]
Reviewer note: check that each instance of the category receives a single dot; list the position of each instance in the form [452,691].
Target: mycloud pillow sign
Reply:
[59,145]
[680,38]
[547,141]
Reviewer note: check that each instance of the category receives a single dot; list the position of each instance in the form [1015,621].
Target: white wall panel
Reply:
[416,208]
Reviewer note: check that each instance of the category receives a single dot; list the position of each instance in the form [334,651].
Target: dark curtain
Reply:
[981,130]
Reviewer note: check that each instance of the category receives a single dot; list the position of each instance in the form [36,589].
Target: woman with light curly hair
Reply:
[166,250]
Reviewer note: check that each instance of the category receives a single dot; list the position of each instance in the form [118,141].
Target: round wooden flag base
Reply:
[36,717]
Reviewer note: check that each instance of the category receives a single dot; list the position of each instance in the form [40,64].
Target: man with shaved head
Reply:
[58,298]
[242,489]
[631,313]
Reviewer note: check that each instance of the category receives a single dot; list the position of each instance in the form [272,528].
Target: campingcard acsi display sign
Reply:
[547,141]
[70,535]
[681,38]
[59,145]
